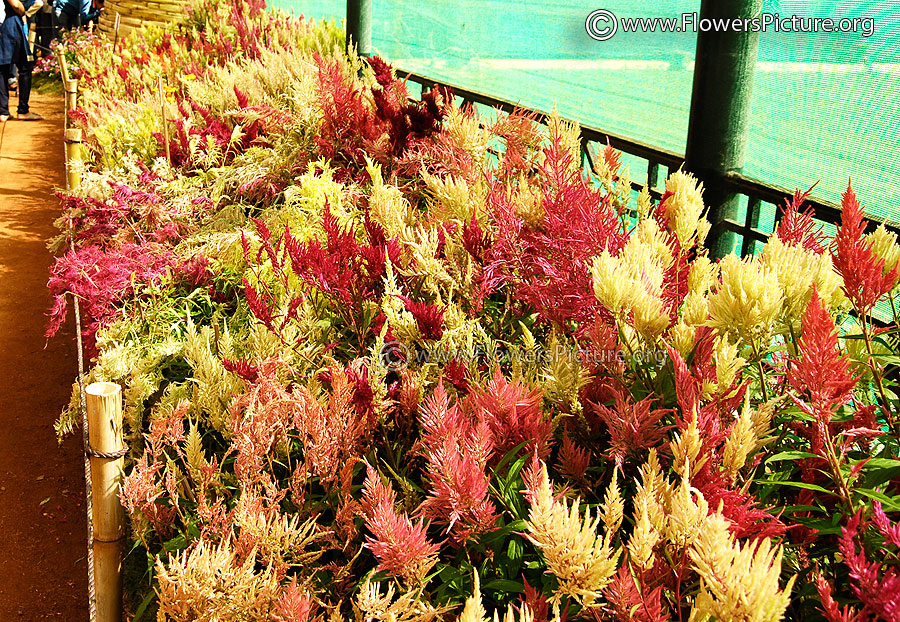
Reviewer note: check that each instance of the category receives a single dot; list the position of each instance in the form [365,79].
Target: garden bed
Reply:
[387,359]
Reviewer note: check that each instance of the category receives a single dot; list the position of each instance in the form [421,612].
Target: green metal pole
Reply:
[359,26]
[720,109]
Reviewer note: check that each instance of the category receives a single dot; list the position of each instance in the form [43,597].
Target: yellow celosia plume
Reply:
[581,559]
[738,583]
[684,209]
[747,300]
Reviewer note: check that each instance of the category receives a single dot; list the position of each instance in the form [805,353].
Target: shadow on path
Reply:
[43,573]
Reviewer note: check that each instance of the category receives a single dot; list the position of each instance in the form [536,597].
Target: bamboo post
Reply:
[73,157]
[63,67]
[71,87]
[104,409]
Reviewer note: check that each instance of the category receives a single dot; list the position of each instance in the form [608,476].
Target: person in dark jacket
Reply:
[14,50]
[75,13]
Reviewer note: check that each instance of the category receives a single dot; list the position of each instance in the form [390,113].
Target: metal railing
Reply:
[757,192]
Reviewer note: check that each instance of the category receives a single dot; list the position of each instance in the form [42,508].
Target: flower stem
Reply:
[836,474]
[762,373]
[886,405]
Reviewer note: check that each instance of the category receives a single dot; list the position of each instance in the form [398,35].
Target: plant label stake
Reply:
[165,123]
[104,409]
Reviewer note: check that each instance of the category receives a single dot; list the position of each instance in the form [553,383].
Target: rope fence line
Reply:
[102,438]
[88,497]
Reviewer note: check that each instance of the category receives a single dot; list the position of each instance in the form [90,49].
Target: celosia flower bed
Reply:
[386,359]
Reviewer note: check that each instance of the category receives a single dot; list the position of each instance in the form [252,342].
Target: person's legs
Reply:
[25,69]
[5,72]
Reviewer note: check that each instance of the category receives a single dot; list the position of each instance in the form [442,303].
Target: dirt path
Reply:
[42,519]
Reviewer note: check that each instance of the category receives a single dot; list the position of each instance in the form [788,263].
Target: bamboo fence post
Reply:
[71,87]
[73,157]
[104,408]
[63,68]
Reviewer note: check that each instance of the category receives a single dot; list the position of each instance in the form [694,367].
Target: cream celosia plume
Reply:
[643,539]
[684,209]
[747,300]
[632,282]
[884,245]
[738,583]
[208,583]
[687,511]
[613,506]
[799,271]
[576,554]
[373,605]
[741,442]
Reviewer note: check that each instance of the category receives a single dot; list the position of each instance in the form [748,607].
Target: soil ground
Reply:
[43,573]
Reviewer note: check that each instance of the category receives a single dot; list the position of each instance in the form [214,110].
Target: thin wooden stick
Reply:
[165,122]
[104,407]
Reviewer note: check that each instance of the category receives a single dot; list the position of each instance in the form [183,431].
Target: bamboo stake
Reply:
[71,87]
[104,407]
[165,122]
[73,157]
[64,67]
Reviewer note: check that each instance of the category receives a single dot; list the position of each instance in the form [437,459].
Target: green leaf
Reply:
[881,463]
[492,538]
[890,503]
[804,485]
[142,609]
[821,525]
[504,585]
[514,549]
[510,456]
[789,509]
[887,359]
[791,455]
[178,543]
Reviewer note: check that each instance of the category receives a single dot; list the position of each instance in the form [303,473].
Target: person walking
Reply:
[15,50]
